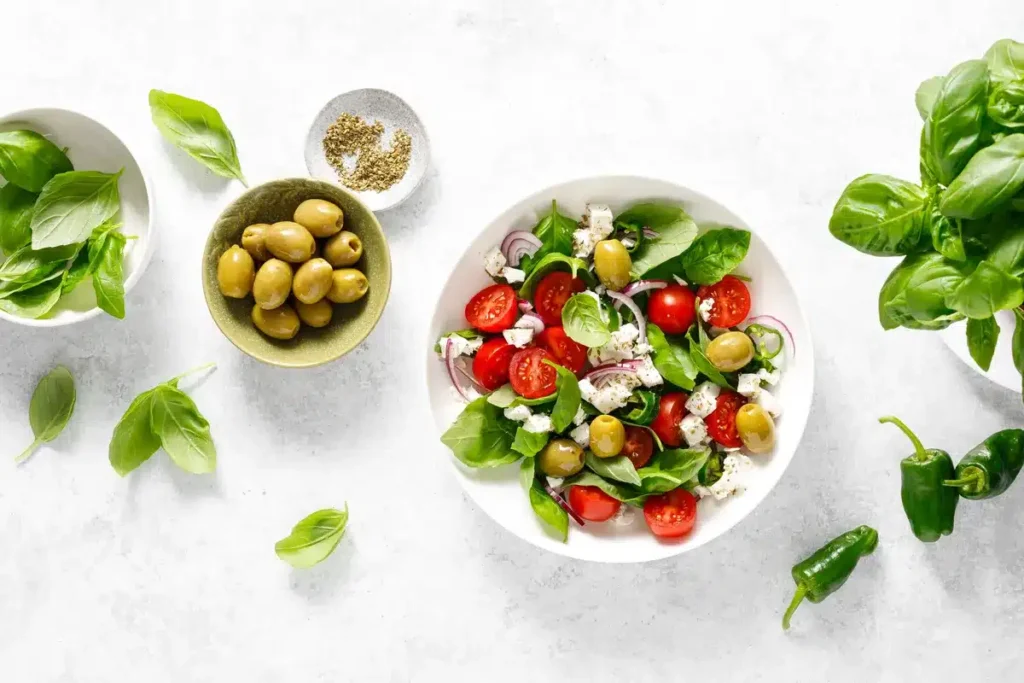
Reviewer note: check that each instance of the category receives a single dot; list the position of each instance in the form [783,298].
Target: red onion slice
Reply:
[517,244]
[650,234]
[449,363]
[603,372]
[562,504]
[525,306]
[641,321]
[772,321]
[641,286]
[533,320]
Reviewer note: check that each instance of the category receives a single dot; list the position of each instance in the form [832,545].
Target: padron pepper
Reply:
[821,574]
[930,505]
[989,468]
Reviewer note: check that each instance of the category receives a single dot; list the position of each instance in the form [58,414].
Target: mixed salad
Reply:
[615,360]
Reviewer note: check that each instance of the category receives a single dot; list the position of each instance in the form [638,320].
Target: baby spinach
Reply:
[529,443]
[952,132]
[985,291]
[108,272]
[555,233]
[925,96]
[554,519]
[618,468]
[991,178]
[715,254]
[549,263]
[982,335]
[314,538]
[583,322]
[621,492]
[672,360]
[29,160]
[672,468]
[198,129]
[676,232]
[880,215]
[482,436]
[16,206]
[568,399]
[71,205]
[51,407]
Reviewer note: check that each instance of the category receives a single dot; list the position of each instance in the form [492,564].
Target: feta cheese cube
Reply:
[749,384]
[494,262]
[555,482]
[771,378]
[460,346]
[705,308]
[518,413]
[642,350]
[611,395]
[538,424]
[618,348]
[518,337]
[648,374]
[597,225]
[703,400]
[513,275]
[734,468]
[694,431]
[581,435]
[581,417]
[769,402]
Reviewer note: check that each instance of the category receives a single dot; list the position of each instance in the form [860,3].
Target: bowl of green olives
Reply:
[296,272]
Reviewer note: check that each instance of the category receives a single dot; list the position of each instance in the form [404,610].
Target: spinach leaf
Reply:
[705,367]
[985,291]
[644,413]
[952,133]
[990,179]
[313,539]
[676,232]
[672,468]
[555,519]
[947,238]
[72,205]
[35,302]
[555,233]
[982,335]
[568,399]
[134,440]
[1006,104]
[583,322]
[551,262]
[1006,60]
[183,431]
[196,128]
[672,360]
[29,160]
[618,468]
[931,278]
[621,492]
[715,254]
[482,436]
[529,443]
[16,206]
[51,407]
[880,215]
[926,94]
[108,274]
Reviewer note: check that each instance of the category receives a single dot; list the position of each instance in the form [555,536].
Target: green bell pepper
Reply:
[989,468]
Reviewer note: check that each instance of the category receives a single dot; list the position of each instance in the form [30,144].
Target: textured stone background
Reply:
[769,107]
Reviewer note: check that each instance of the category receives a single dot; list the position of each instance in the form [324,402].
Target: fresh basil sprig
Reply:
[313,538]
[583,322]
[72,205]
[53,402]
[29,160]
[198,129]
[715,254]
[482,436]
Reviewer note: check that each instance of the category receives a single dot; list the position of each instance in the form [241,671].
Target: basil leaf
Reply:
[1006,104]
[29,160]
[952,133]
[134,440]
[985,291]
[946,237]
[551,262]
[567,401]
[555,519]
[672,468]
[583,323]
[36,302]
[676,232]
[51,407]
[1018,342]
[16,206]
[621,492]
[1006,60]
[893,310]
[555,233]
[482,436]
[506,397]
[1008,253]
[990,179]
[196,128]
[880,215]
[529,443]
[183,431]
[715,254]
[72,205]
[672,360]
[925,96]
[618,468]
[108,273]
[7,288]
[527,473]
[982,335]
[644,413]
[712,470]
[705,367]
[313,539]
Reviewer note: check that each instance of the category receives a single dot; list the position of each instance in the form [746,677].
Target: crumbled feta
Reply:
[618,348]
[733,468]
[513,275]
[771,378]
[628,242]
[642,350]
[460,345]
[599,217]
[680,281]
[518,337]
[612,395]
[518,413]
[694,431]
[494,262]
[749,384]
[538,424]
[597,225]
[705,309]
[555,482]
[581,435]
[704,399]
[581,416]
[767,400]
[624,517]
[648,374]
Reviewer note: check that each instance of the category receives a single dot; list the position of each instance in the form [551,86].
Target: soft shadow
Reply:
[196,175]
[320,583]
[414,211]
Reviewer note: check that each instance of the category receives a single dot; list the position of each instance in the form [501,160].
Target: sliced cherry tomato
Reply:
[492,309]
[722,422]
[639,445]
[672,309]
[490,364]
[732,301]
[552,293]
[592,504]
[567,353]
[672,514]
[530,376]
[671,411]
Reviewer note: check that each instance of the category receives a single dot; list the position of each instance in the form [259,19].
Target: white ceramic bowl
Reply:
[498,491]
[1002,370]
[93,147]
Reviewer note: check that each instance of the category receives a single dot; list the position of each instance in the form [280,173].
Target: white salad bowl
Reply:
[498,491]
[93,147]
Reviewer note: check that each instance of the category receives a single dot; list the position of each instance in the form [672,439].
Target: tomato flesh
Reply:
[672,514]
[492,309]
[671,411]
[731,301]
[490,364]
[552,293]
[639,446]
[672,309]
[530,376]
[592,504]
[567,353]
[721,423]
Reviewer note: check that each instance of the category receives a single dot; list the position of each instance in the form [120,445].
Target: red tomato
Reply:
[722,422]
[672,514]
[490,364]
[552,293]
[531,377]
[639,446]
[567,353]
[732,301]
[672,309]
[592,504]
[492,309]
[671,411]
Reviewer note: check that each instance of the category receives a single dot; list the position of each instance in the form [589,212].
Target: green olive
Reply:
[317,314]
[254,241]
[280,323]
[348,285]
[756,428]
[343,250]
[290,242]
[612,263]
[561,458]
[607,436]
[320,217]
[235,273]
[312,281]
[730,351]
[273,284]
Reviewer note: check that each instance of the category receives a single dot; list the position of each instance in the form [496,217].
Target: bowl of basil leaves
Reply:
[75,219]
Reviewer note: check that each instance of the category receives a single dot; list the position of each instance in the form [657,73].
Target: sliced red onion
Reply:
[517,244]
[603,372]
[449,363]
[650,234]
[533,320]
[641,286]
[562,504]
[525,306]
[641,321]
[469,376]
[772,321]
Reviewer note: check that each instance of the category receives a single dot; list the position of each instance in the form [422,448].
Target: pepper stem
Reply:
[918,446]
[971,478]
[798,597]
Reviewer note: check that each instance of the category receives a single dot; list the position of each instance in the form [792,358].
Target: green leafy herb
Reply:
[947,238]
[952,132]
[16,206]
[583,323]
[555,233]
[35,302]
[880,215]
[1006,60]
[982,335]
[985,291]
[1007,253]
[28,266]
[672,360]
[527,473]
[506,397]
[313,539]
[465,334]
[1018,342]
[1006,104]
[555,519]
[198,129]
[51,407]
[529,443]
[705,367]
[672,468]
[916,292]
[108,272]
[676,232]
[715,254]
[29,160]
[926,94]
[71,205]
[618,468]
[712,470]
[991,178]
[551,262]
[568,399]
[482,436]
[621,492]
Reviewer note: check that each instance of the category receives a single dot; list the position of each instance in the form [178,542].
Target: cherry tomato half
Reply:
[732,301]
[567,353]
[592,504]
[672,514]
[492,309]
[490,364]
[639,445]
[671,411]
[530,376]
[722,422]
[552,293]
[672,309]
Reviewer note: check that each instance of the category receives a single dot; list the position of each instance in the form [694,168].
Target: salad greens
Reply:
[198,129]
[28,160]
[676,232]
[482,436]
[72,205]
[583,322]
[51,407]
[715,254]
[314,538]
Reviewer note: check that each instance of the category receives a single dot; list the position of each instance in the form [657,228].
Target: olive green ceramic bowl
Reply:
[276,201]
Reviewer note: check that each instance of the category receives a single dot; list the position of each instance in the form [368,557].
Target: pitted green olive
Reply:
[320,217]
[317,314]
[290,242]
[756,428]
[561,458]
[730,351]
[612,263]
[343,250]
[280,323]
[607,436]
[235,273]
[273,284]
[348,285]
[254,241]
[312,281]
